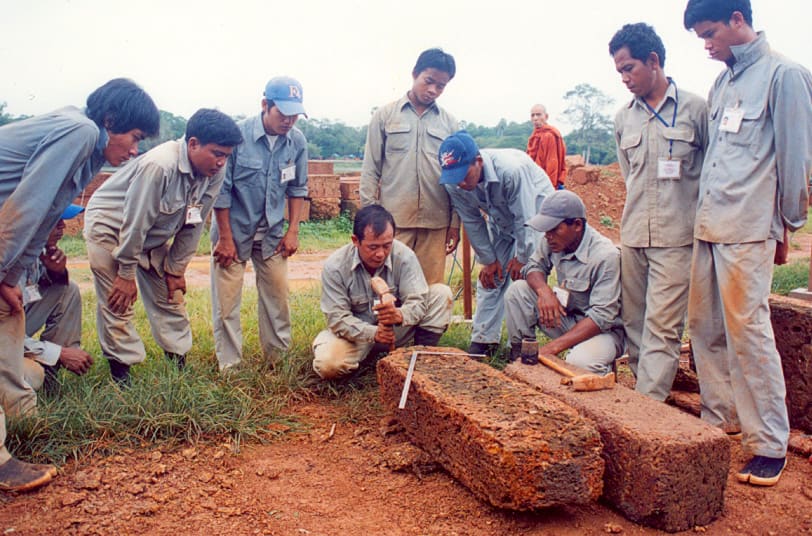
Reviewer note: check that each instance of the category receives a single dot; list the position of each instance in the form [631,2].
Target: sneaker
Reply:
[762,471]
[20,476]
[484,348]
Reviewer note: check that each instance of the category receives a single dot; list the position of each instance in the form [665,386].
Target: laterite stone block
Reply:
[792,324]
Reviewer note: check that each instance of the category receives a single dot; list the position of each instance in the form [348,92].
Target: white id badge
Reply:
[193,215]
[31,294]
[668,169]
[562,295]
[732,120]
[288,174]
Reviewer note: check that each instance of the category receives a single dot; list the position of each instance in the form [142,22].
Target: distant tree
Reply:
[328,139]
[172,128]
[8,118]
[592,133]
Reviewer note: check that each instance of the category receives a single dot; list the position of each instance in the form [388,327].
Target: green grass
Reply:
[808,227]
[325,235]
[790,276]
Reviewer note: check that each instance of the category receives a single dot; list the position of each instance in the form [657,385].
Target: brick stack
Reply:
[350,194]
[323,190]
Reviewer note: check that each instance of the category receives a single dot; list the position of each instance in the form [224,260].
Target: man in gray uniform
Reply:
[661,136]
[45,162]
[144,224]
[270,167]
[753,190]
[507,186]
[53,305]
[582,313]
[359,326]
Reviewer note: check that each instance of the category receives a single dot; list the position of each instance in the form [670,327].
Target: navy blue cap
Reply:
[286,94]
[457,153]
[72,211]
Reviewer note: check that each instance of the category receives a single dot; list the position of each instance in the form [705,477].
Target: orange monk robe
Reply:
[546,147]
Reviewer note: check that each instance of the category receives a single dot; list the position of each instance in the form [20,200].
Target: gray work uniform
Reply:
[258,180]
[137,226]
[347,300]
[510,193]
[591,276]
[401,172]
[45,162]
[753,184]
[656,231]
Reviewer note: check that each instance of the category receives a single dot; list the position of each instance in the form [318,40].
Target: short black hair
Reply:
[571,221]
[640,39]
[121,105]
[374,216]
[716,11]
[435,58]
[213,126]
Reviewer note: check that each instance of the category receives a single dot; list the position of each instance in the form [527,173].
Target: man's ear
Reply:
[193,143]
[736,20]
[653,60]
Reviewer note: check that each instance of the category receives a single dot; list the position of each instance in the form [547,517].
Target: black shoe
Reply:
[120,373]
[424,337]
[178,359]
[515,351]
[762,471]
[484,348]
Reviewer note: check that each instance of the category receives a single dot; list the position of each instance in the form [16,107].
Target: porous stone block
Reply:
[509,444]
[324,208]
[350,187]
[319,167]
[792,325]
[351,206]
[664,468]
[323,186]
[305,215]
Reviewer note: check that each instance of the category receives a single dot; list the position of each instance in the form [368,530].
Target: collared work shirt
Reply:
[401,169]
[659,212]
[254,191]
[143,206]
[510,193]
[591,275]
[45,162]
[347,298]
[547,149]
[754,181]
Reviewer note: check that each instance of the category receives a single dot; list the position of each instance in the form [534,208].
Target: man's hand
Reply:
[288,245]
[452,239]
[75,360]
[388,314]
[385,335]
[490,274]
[225,252]
[123,295]
[173,283]
[54,260]
[551,349]
[550,309]
[514,269]
[13,297]
[782,249]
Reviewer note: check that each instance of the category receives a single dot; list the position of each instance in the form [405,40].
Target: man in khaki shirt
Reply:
[401,168]
[661,136]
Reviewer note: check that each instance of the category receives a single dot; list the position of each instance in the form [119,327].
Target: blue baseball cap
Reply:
[286,94]
[457,153]
[72,211]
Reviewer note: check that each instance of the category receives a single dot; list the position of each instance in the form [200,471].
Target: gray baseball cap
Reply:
[557,207]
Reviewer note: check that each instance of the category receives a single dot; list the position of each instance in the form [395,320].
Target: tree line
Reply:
[591,135]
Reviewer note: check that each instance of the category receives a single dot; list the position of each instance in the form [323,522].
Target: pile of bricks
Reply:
[323,190]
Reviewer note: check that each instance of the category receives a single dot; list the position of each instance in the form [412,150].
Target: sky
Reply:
[351,55]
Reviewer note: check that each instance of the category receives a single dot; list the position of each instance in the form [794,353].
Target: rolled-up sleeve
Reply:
[336,306]
[521,195]
[465,205]
[604,297]
[413,292]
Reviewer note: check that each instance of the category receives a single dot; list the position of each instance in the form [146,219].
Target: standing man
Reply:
[143,224]
[45,162]
[753,190]
[509,188]
[401,169]
[661,135]
[546,147]
[358,326]
[582,313]
[53,305]
[270,167]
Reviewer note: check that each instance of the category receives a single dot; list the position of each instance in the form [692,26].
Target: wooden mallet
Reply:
[580,382]
[384,293]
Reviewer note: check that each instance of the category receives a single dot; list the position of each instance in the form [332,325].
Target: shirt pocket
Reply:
[171,213]
[360,304]
[579,288]
[398,138]
[631,145]
[681,142]
[248,172]
[434,138]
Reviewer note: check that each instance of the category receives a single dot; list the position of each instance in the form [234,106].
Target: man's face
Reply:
[538,115]
[121,147]
[429,85]
[373,250]
[564,238]
[275,122]
[207,160]
[638,77]
[56,234]
[719,37]
[472,177]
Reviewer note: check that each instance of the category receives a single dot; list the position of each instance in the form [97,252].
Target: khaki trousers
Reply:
[429,246]
[16,395]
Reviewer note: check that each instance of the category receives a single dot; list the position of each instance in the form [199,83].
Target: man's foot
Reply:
[515,351]
[120,373]
[424,337]
[178,359]
[20,476]
[484,348]
[762,471]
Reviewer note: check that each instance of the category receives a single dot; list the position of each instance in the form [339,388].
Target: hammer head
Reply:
[593,382]
[379,286]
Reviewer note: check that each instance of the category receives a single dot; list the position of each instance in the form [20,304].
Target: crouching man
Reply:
[359,326]
[144,224]
[582,313]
